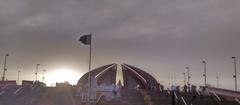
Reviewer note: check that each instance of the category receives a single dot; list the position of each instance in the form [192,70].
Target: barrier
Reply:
[183,100]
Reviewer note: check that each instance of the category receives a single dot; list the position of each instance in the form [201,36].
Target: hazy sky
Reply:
[159,36]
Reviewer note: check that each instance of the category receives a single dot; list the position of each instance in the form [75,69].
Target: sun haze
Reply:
[62,75]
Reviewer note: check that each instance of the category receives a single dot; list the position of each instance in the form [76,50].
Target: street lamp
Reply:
[188,77]
[205,73]
[184,80]
[5,67]
[235,72]
[19,76]
[43,76]
[36,73]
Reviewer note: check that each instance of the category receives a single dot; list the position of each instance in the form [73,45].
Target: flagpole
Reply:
[89,67]
[87,40]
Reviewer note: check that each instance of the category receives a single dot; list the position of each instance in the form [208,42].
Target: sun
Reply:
[62,75]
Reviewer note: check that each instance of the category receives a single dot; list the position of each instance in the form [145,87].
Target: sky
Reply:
[161,37]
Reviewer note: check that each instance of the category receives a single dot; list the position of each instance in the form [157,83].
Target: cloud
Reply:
[167,33]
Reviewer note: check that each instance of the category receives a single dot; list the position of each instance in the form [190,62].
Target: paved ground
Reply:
[17,95]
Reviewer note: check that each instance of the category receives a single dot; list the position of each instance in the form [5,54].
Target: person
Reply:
[147,98]
[114,90]
[193,97]
[185,88]
[138,87]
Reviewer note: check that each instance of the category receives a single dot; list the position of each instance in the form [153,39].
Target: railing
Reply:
[175,95]
[83,96]
[100,100]
[2,92]
[198,93]
[224,92]
[17,91]
[217,96]
[168,91]
[183,100]
[237,100]
[5,86]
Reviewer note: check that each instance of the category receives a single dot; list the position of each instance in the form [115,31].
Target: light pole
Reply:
[217,82]
[36,73]
[175,79]
[43,76]
[5,67]
[19,76]
[184,80]
[235,72]
[169,81]
[188,81]
[205,73]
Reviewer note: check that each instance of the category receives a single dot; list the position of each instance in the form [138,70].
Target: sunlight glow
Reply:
[62,75]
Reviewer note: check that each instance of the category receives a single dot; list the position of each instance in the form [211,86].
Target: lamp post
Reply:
[184,80]
[188,78]
[205,72]
[175,79]
[36,73]
[169,81]
[43,76]
[19,76]
[235,72]
[217,82]
[5,67]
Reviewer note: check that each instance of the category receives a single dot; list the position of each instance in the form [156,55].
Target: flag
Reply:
[234,76]
[86,39]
